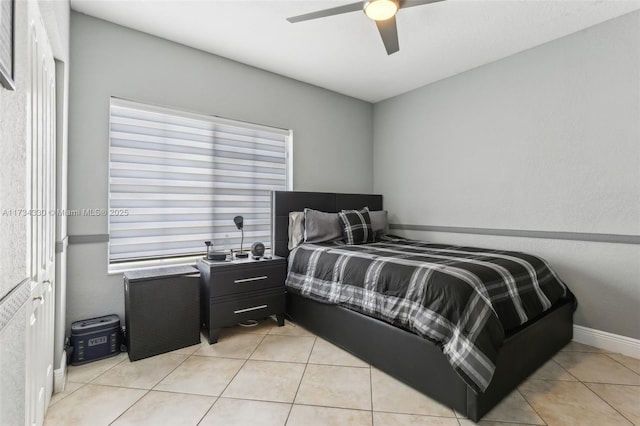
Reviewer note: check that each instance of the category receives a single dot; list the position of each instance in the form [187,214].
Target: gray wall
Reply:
[332,134]
[545,140]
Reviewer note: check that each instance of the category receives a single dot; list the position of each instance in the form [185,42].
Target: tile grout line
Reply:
[315,340]
[606,402]
[589,382]
[364,410]
[105,371]
[306,404]
[234,376]
[435,416]
[207,411]
[283,338]
[585,384]
[254,359]
[69,394]
[150,389]
[607,383]
[371,393]
[530,405]
[128,408]
[281,361]
[216,397]
[264,336]
[622,364]
[566,370]
[118,386]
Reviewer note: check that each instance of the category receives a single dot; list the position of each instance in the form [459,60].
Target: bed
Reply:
[413,359]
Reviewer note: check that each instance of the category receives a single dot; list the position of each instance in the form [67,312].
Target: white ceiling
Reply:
[345,53]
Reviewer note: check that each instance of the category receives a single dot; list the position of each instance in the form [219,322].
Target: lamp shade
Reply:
[239,221]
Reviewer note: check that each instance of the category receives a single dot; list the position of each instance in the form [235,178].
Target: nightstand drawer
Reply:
[231,312]
[251,277]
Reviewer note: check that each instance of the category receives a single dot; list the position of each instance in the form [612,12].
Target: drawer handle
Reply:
[255,308]
[246,280]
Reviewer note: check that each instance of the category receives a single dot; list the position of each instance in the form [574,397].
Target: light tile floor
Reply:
[270,375]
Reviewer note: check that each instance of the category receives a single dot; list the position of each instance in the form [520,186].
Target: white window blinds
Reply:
[177,179]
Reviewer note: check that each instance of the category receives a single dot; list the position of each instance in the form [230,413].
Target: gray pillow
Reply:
[379,222]
[321,226]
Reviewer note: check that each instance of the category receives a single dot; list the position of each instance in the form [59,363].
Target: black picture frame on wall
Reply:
[7,19]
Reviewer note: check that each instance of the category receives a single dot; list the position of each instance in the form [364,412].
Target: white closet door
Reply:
[41,145]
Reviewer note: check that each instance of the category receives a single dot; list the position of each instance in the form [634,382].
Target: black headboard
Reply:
[283,202]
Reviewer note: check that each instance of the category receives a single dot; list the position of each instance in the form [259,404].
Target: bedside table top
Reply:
[239,262]
[160,272]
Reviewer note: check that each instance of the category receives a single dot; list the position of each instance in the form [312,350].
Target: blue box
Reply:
[95,339]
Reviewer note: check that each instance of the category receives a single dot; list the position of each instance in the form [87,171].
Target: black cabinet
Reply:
[233,292]
[162,310]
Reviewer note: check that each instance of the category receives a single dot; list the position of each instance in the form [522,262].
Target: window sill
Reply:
[119,268]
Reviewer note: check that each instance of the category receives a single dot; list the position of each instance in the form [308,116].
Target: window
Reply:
[177,179]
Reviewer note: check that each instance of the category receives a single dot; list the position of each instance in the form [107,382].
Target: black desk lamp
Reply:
[239,221]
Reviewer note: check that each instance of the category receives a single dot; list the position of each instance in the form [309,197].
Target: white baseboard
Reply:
[60,374]
[607,341]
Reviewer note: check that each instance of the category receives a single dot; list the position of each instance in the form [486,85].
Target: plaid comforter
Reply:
[463,298]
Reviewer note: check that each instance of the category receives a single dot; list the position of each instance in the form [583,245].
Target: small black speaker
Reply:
[257,250]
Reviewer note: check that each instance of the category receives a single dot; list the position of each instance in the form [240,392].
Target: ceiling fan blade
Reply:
[389,33]
[411,3]
[351,7]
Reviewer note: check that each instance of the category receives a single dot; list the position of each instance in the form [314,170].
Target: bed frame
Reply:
[411,359]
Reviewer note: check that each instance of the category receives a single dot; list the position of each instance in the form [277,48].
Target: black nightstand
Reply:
[233,292]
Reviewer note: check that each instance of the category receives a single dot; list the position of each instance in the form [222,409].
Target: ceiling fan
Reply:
[383,12]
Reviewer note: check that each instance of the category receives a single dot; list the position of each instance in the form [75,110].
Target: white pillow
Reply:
[296,229]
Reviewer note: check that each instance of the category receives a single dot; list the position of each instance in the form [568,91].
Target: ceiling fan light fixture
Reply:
[381,10]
